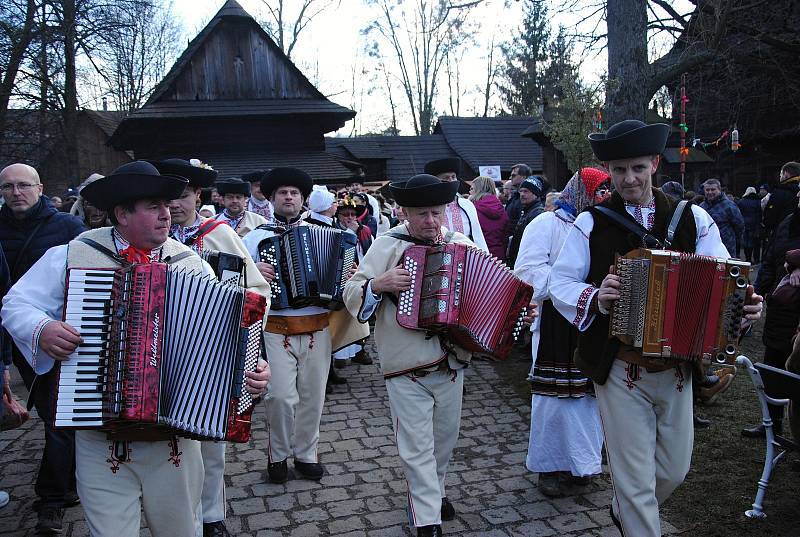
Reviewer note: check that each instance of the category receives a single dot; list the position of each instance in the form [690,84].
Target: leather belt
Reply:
[633,355]
[296,324]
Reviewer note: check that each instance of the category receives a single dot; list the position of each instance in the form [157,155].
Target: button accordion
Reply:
[312,264]
[468,296]
[227,267]
[678,305]
[164,349]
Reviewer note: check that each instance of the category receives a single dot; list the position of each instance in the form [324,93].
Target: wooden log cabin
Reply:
[233,99]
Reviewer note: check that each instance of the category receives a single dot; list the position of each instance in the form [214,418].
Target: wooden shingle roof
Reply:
[322,167]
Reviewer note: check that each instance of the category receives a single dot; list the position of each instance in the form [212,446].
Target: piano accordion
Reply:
[312,264]
[682,306]
[164,349]
[464,294]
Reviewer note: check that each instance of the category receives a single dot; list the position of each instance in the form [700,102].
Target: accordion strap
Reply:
[419,242]
[648,240]
[675,222]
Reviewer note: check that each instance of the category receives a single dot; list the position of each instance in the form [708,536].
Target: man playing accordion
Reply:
[117,476]
[424,376]
[645,405]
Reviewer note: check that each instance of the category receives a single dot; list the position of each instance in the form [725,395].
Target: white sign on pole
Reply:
[490,171]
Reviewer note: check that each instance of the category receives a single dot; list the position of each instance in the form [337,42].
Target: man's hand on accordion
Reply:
[266,270]
[59,340]
[752,307]
[257,380]
[609,290]
[530,314]
[392,281]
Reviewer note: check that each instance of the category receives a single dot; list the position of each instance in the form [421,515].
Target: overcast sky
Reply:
[330,53]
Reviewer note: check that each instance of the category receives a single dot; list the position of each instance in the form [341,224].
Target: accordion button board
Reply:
[680,306]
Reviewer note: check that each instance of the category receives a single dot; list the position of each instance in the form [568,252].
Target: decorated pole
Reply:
[684,128]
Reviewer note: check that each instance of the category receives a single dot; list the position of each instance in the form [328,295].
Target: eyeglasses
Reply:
[8,188]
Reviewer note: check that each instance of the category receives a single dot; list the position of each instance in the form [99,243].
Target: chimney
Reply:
[105,104]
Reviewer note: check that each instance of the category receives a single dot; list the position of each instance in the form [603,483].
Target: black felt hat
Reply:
[254,177]
[286,176]
[629,139]
[133,181]
[443,165]
[232,185]
[424,190]
[193,170]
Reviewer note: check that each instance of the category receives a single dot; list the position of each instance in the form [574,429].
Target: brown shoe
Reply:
[709,395]
[549,484]
[362,358]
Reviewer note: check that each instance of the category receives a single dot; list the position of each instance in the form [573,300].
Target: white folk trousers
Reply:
[213,499]
[296,393]
[426,414]
[649,434]
[150,480]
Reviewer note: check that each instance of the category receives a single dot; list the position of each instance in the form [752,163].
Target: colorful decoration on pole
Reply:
[735,145]
[684,128]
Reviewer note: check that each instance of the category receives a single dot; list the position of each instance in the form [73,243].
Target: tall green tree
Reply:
[525,57]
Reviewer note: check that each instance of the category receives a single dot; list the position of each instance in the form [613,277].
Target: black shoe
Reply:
[448,511]
[335,379]
[51,520]
[309,470]
[341,364]
[71,500]
[215,529]
[701,423]
[362,358]
[429,531]
[278,471]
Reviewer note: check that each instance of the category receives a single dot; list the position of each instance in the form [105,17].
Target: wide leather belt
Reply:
[300,324]
[633,355]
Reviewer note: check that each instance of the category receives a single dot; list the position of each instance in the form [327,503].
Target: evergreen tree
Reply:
[560,70]
[525,56]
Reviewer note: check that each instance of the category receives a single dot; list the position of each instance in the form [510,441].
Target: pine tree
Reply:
[525,58]
[559,70]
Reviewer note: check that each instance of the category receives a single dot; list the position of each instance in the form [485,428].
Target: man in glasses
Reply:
[29,226]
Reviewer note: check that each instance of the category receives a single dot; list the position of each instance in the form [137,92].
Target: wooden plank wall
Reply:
[236,62]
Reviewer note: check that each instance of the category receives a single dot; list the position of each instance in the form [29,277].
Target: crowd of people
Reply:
[589,391]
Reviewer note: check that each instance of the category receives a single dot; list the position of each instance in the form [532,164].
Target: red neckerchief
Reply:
[133,254]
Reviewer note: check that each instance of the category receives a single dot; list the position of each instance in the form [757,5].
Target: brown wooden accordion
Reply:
[679,305]
[468,296]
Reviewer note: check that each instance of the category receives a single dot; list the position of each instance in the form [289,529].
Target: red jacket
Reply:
[494,223]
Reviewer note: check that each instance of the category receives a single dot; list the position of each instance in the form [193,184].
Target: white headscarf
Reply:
[320,199]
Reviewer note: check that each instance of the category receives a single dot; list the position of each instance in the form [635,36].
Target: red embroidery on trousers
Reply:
[286,342]
[680,377]
[174,454]
[632,375]
[120,453]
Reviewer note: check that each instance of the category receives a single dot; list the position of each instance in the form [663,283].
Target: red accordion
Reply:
[467,295]
[163,349]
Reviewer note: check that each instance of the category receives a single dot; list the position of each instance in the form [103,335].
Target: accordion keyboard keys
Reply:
[80,395]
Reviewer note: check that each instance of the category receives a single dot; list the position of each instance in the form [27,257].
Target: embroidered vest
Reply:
[596,351]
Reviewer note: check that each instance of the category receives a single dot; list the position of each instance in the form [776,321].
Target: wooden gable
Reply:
[233,58]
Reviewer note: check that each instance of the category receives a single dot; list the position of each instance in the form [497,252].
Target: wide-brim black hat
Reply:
[233,185]
[424,190]
[198,176]
[133,181]
[286,176]
[629,139]
[443,165]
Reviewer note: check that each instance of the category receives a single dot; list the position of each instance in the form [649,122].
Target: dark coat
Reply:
[782,202]
[750,207]
[781,321]
[494,224]
[513,210]
[528,214]
[56,228]
[729,221]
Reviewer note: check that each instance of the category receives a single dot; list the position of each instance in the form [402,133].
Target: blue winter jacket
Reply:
[57,228]
[729,220]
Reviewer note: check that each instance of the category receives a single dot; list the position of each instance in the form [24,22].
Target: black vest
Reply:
[596,351]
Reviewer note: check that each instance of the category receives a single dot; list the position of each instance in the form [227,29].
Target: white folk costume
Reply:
[210,234]
[116,478]
[246,221]
[462,217]
[566,434]
[424,378]
[646,408]
[298,345]
[262,208]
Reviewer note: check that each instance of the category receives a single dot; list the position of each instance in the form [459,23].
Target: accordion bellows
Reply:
[467,296]
[679,305]
[163,349]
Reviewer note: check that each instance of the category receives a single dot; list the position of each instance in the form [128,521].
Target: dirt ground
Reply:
[723,478]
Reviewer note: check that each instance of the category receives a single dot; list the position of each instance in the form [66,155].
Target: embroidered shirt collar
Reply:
[122,244]
[182,234]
